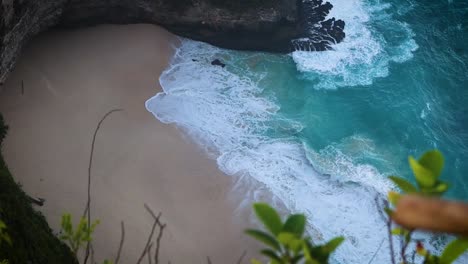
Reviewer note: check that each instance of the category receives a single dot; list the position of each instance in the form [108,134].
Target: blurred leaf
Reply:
[264,237]
[295,224]
[398,231]
[333,244]
[286,238]
[296,259]
[441,187]
[433,161]
[453,250]
[291,241]
[393,198]
[424,177]
[271,254]
[269,217]
[388,211]
[254,261]
[403,184]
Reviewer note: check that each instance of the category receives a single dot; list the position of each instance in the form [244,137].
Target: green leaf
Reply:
[290,241]
[286,238]
[388,211]
[403,184]
[398,231]
[254,261]
[453,250]
[433,161]
[439,189]
[424,177]
[271,254]
[333,244]
[393,197]
[269,217]
[295,224]
[296,259]
[307,252]
[264,238]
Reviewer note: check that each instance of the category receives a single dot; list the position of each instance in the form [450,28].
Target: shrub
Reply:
[286,243]
[426,171]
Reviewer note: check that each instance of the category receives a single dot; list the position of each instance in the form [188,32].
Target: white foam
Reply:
[227,113]
[364,54]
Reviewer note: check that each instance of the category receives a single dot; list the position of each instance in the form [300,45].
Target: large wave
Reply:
[374,38]
[228,114]
[238,121]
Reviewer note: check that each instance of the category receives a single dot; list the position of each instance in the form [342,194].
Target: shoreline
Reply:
[71,79]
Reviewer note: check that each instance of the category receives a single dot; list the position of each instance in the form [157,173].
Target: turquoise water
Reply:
[323,130]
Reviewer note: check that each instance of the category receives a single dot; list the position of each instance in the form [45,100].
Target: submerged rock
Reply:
[218,63]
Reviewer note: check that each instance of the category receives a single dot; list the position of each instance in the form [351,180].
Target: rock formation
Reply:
[266,25]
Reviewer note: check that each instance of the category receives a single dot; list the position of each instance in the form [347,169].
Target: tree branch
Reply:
[388,222]
[88,203]
[122,239]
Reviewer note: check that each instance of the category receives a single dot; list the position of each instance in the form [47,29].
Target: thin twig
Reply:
[158,243]
[88,203]
[242,257]
[122,239]
[149,253]
[145,250]
[375,253]
[388,222]
[92,255]
[405,246]
[160,233]
[208,260]
[151,212]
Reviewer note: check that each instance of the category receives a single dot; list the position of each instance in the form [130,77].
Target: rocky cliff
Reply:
[267,25]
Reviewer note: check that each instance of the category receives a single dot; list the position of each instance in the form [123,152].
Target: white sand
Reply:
[71,79]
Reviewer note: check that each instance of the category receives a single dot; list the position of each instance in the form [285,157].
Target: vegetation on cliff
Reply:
[32,238]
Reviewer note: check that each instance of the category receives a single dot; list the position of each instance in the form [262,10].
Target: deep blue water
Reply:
[323,130]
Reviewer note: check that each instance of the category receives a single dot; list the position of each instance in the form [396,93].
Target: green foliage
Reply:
[4,237]
[286,243]
[427,171]
[32,238]
[454,250]
[404,185]
[76,238]
[269,217]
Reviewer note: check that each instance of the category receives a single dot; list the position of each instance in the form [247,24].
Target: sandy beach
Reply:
[71,79]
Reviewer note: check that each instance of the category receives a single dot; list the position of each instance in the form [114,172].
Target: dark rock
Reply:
[218,63]
[318,34]
[243,24]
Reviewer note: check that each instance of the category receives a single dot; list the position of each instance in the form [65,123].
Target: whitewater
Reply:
[315,128]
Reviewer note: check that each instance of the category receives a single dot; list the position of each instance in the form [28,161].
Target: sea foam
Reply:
[225,111]
[228,112]
[365,53]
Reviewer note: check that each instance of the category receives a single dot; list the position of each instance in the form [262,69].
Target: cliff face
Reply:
[267,25]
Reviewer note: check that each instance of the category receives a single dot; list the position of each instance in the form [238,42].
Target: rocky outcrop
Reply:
[266,25]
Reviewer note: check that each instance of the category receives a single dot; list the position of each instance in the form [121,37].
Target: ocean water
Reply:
[323,130]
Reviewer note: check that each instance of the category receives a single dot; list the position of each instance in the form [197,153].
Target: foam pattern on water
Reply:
[228,114]
[365,53]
